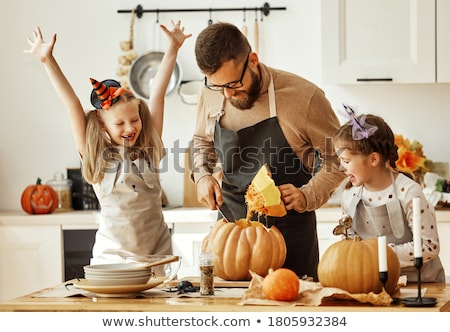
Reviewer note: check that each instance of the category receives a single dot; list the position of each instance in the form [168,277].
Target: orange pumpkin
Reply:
[263,196]
[39,199]
[281,285]
[242,246]
[352,265]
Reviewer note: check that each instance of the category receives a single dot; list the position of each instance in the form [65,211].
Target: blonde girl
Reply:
[119,143]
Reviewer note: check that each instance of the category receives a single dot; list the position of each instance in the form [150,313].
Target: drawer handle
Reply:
[374,79]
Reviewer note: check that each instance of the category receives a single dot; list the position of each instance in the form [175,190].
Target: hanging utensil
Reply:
[144,68]
[210,21]
[244,29]
[256,32]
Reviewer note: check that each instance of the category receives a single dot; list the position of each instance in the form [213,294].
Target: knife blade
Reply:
[225,212]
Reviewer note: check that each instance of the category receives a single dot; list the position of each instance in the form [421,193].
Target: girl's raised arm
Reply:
[44,52]
[162,77]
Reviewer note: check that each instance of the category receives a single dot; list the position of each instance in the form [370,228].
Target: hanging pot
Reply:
[144,68]
[143,71]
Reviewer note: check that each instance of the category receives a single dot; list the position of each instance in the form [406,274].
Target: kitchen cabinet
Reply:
[444,240]
[30,258]
[187,241]
[383,41]
[443,40]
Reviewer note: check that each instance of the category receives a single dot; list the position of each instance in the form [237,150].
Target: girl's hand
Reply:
[39,48]
[176,36]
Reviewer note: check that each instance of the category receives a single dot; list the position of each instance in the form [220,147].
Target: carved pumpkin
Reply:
[352,265]
[242,246]
[39,199]
[281,285]
[263,196]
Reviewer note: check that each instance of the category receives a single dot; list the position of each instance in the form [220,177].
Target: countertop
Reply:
[207,304]
[89,219]
[177,214]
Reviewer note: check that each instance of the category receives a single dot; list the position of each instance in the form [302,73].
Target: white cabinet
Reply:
[30,259]
[379,40]
[187,241]
[443,40]
[444,240]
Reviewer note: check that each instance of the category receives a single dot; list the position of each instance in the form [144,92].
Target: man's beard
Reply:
[249,97]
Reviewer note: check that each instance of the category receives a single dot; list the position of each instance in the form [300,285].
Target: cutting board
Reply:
[218,282]
[190,192]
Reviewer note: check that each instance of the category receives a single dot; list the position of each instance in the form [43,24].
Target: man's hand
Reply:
[292,197]
[209,192]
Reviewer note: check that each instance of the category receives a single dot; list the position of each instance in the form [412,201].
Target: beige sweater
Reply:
[306,119]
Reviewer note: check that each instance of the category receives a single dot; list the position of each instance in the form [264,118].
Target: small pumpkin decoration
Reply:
[281,285]
[352,265]
[39,199]
[242,246]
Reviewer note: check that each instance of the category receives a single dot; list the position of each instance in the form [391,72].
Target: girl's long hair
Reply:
[100,152]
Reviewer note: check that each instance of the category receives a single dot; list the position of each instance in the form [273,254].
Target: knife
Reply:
[226,213]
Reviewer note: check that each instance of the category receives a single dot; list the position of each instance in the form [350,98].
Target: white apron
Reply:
[131,221]
[390,220]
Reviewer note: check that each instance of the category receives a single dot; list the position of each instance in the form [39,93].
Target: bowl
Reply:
[143,70]
[166,272]
[189,91]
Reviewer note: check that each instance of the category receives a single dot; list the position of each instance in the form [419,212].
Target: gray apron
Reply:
[242,153]
[390,220]
[131,222]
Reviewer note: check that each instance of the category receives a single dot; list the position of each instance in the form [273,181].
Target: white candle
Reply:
[417,225]
[382,255]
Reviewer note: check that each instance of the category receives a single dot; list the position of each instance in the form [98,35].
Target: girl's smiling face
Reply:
[123,122]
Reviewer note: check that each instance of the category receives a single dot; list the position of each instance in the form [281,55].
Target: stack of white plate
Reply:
[118,274]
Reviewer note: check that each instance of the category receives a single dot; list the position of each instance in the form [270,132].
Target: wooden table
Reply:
[28,303]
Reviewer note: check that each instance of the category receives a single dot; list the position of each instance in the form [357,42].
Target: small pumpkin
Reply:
[281,285]
[39,198]
[242,246]
[352,265]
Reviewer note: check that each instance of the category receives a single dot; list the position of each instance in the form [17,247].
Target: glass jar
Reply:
[206,273]
[62,187]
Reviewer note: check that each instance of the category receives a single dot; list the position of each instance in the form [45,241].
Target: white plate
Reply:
[117,282]
[116,291]
[116,268]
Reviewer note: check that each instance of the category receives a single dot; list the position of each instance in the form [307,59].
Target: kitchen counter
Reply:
[89,219]
[177,214]
[207,304]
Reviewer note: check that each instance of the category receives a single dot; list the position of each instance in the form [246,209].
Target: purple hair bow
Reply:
[360,129]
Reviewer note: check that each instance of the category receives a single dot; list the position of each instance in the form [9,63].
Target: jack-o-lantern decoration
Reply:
[39,199]
[243,246]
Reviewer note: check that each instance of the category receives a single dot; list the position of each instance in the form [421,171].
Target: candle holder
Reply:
[419,301]
[383,278]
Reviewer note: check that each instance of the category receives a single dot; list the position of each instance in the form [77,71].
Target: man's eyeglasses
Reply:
[231,85]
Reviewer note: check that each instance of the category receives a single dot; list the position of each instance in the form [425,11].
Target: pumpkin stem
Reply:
[38,181]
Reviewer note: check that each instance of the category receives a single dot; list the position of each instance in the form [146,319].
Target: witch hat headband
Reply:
[105,93]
